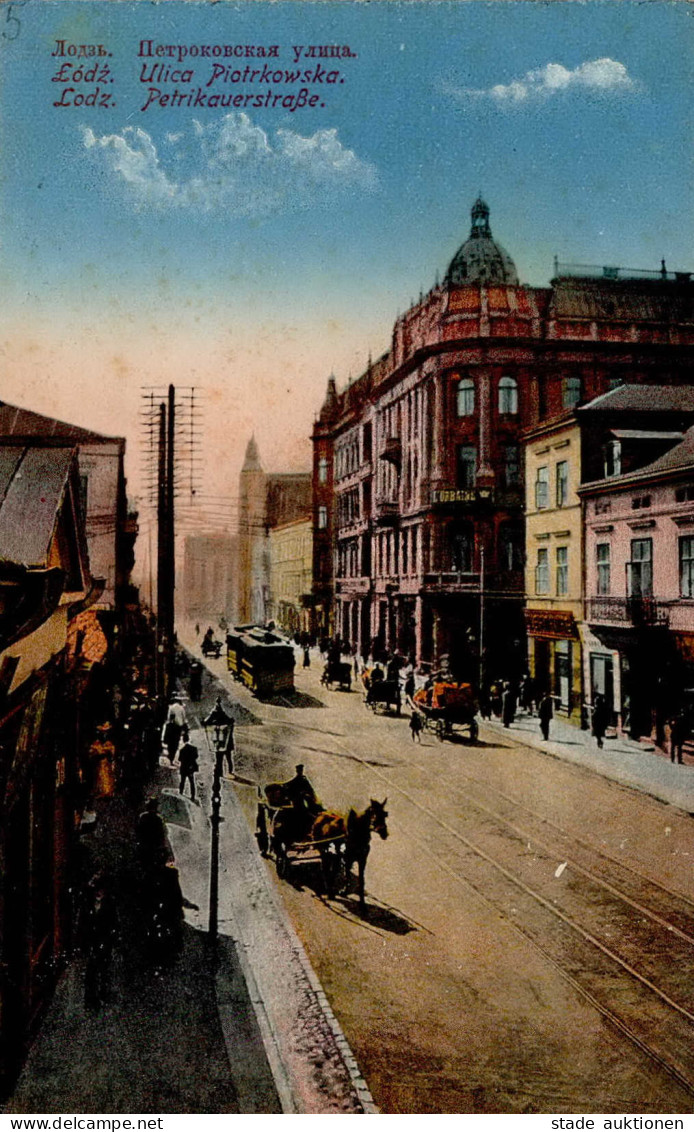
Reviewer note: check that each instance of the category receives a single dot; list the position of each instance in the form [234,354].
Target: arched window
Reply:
[466,397]
[508,395]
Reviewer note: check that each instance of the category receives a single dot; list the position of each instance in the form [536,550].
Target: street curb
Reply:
[272,1039]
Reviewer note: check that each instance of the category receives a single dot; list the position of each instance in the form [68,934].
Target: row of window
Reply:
[542,486]
[639,570]
[466,472]
[507,397]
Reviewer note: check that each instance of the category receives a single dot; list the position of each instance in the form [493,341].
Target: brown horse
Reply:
[355,833]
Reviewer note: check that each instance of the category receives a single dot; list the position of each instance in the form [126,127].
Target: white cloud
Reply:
[598,75]
[133,157]
[232,164]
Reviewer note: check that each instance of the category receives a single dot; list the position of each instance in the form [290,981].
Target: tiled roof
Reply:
[628,300]
[19,423]
[32,493]
[645,398]
[681,456]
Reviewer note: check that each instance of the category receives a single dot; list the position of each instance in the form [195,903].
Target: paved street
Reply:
[529,930]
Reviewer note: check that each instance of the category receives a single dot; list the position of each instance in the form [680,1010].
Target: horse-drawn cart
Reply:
[297,835]
[380,692]
[337,672]
[447,709]
[283,832]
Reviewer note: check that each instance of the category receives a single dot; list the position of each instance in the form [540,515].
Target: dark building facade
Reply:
[418,469]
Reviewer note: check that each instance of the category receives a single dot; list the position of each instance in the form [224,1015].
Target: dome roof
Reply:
[481,259]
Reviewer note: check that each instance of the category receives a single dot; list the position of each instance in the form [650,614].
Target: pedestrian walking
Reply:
[679,731]
[173,728]
[526,693]
[307,657]
[546,713]
[497,693]
[152,841]
[416,726]
[599,718]
[508,705]
[99,933]
[230,747]
[188,763]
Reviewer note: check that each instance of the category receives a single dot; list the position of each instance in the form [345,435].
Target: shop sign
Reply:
[555,624]
[461,495]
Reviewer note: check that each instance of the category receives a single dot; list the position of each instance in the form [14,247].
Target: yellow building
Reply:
[291,575]
[554,555]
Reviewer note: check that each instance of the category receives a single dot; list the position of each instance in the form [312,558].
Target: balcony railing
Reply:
[637,612]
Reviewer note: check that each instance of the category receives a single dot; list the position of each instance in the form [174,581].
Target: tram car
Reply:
[261,660]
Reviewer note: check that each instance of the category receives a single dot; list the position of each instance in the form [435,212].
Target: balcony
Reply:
[451,582]
[630,612]
[392,451]
[387,510]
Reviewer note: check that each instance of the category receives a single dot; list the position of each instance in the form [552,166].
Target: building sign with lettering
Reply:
[557,624]
[461,495]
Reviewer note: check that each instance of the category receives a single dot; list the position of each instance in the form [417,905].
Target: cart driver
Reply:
[300,792]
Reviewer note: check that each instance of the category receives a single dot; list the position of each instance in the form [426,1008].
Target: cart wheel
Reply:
[474,731]
[440,730]
[281,862]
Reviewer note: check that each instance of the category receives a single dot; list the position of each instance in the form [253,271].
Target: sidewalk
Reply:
[633,764]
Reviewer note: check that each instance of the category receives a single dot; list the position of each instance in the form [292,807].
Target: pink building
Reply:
[639,572]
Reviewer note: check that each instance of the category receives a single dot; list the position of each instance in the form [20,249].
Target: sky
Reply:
[251,250]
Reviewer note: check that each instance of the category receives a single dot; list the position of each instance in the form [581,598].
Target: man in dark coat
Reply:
[600,718]
[188,763]
[679,731]
[508,702]
[99,933]
[546,713]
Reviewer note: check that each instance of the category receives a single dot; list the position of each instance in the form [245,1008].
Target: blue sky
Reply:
[252,251]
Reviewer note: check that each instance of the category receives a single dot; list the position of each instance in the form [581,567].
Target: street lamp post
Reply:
[217,725]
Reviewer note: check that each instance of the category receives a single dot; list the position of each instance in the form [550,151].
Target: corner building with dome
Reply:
[418,473]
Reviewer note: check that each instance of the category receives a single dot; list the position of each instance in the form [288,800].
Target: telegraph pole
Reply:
[162,672]
[170,564]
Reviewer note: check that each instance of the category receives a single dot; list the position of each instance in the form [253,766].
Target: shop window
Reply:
[562,674]
[542,571]
[562,571]
[508,395]
[602,561]
[687,566]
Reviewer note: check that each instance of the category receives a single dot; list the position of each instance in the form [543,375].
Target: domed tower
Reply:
[481,259]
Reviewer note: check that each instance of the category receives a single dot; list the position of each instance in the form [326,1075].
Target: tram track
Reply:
[668,1023]
[647,1015]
